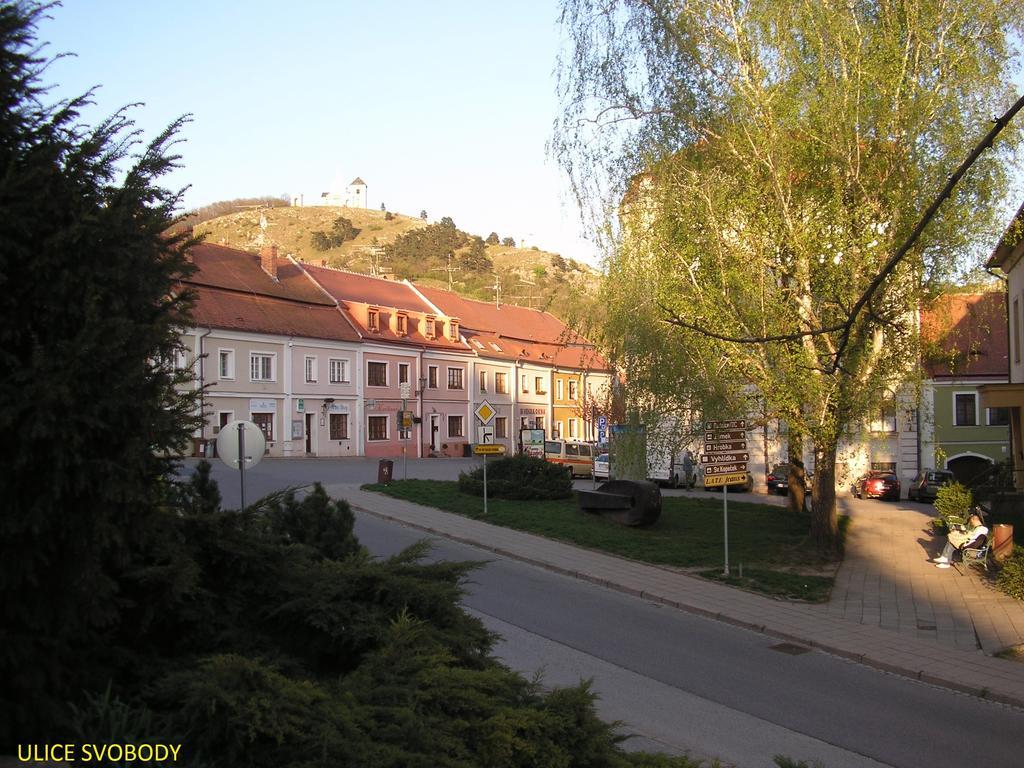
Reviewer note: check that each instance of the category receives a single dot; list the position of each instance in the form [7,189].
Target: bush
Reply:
[953,502]
[1011,575]
[519,477]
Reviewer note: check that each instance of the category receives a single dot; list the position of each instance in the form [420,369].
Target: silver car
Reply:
[602,468]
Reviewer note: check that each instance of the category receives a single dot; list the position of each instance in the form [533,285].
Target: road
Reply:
[684,683]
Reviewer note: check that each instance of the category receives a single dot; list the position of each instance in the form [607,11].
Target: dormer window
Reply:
[454,330]
[373,320]
[429,329]
[402,324]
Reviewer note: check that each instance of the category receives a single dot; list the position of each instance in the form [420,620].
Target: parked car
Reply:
[602,467]
[877,485]
[778,479]
[925,486]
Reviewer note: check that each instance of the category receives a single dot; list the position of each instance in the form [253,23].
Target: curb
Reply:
[854,656]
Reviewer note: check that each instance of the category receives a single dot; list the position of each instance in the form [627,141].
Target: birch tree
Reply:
[759,162]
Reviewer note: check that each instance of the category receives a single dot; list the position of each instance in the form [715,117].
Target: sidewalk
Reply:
[891,609]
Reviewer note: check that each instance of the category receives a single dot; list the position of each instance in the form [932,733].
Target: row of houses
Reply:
[333,363]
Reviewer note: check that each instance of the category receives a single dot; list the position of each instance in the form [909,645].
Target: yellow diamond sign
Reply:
[485,412]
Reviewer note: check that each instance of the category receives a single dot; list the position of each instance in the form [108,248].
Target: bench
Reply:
[976,555]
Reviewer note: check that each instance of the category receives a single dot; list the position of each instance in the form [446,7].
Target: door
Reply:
[309,433]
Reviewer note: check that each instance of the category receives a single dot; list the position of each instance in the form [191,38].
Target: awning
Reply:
[1002,395]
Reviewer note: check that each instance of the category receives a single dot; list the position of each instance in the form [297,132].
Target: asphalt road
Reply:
[683,683]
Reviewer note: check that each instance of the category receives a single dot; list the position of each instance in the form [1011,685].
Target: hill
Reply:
[438,254]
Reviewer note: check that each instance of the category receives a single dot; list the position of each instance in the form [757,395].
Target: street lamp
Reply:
[423,384]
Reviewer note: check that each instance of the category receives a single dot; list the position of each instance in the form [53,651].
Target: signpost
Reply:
[241,444]
[485,412]
[405,422]
[725,458]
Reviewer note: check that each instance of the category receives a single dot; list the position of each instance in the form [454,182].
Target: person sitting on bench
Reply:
[975,536]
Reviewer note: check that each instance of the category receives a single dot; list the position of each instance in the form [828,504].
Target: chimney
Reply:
[268,260]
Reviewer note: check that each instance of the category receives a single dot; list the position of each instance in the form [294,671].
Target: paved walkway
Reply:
[891,608]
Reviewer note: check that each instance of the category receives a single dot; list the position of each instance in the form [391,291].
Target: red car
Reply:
[877,485]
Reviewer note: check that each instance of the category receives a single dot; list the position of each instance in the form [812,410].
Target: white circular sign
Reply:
[227,444]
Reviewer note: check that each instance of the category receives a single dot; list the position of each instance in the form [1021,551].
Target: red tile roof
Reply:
[223,267]
[351,286]
[520,332]
[965,335]
[236,310]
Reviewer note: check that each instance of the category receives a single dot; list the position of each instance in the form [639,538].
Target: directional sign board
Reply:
[725,434]
[725,457]
[719,446]
[724,469]
[485,412]
[489,450]
[715,426]
[712,481]
[485,435]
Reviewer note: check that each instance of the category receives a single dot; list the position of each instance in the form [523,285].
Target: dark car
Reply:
[925,486]
[877,485]
[778,480]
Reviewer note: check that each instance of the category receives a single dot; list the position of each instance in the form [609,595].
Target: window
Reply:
[556,430]
[494,346]
[524,422]
[538,423]
[885,421]
[525,384]
[377,374]
[403,373]
[310,369]
[339,426]
[377,428]
[998,417]
[226,367]
[432,377]
[402,323]
[501,383]
[261,367]
[501,426]
[428,327]
[965,412]
[373,320]
[573,386]
[454,378]
[455,426]
[574,429]
[265,421]
[339,371]
[483,381]
[559,390]
[454,330]
[538,385]
[883,466]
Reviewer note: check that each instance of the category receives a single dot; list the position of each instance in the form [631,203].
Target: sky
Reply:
[443,106]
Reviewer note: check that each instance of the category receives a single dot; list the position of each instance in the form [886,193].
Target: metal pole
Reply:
[485,483]
[725,515]
[241,461]
[405,445]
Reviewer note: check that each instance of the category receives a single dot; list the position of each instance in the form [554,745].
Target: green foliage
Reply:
[342,230]
[1011,574]
[105,719]
[492,239]
[518,477]
[88,344]
[679,116]
[314,521]
[782,761]
[509,242]
[475,258]
[388,216]
[953,501]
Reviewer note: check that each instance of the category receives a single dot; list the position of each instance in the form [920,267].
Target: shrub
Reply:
[953,502]
[519,477]
[1011,575]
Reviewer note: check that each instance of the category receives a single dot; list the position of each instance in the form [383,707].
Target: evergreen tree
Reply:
[492,239]
[88,378]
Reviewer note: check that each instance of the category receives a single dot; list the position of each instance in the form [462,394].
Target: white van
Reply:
[577,457]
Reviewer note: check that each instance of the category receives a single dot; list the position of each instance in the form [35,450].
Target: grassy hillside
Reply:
[412,248]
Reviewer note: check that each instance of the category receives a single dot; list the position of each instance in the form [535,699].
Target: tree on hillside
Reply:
[448,221]
[768,158]
[88,368]
[492,239]
[342,230]
[423,214]
[226,207]
[509,242]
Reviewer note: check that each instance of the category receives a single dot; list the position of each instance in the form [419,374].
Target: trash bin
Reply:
[385,471]
[467,450]
[1002,541]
